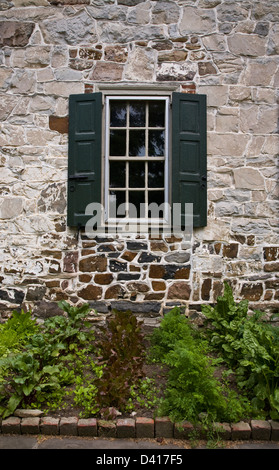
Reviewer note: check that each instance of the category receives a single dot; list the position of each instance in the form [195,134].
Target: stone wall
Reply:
[225,49]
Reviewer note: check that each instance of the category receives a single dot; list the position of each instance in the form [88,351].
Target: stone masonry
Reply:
[225,49]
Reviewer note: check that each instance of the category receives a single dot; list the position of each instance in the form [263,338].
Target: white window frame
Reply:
[130,97]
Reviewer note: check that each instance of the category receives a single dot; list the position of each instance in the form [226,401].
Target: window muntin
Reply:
[136,155]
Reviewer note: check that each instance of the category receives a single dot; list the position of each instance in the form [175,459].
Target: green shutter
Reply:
[84,166]
[189,172]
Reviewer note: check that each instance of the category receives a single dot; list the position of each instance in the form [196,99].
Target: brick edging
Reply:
[138,427]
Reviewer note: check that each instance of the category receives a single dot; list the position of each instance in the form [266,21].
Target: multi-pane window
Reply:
[136,155]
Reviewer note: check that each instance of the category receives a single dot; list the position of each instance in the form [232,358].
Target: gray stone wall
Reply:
[223,48]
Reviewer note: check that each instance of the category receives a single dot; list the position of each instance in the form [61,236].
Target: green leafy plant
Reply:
[192,387]
[41,368]
[16,331]
[121,351]
[250,346]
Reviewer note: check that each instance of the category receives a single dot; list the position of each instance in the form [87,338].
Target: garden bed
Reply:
[226,372]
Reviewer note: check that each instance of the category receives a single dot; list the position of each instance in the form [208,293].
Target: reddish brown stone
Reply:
[271,267]
[154,296]
[85,278]
[88,251]
[217,289]
[271,253]
[272,284]
[114,292]
[158,246]
[15,33]
[116,53]
[70,262]
[252,291]
[90,292]
[179,290]
[59,124]
[182,273]
[206,288]
[217,248]
[250,240]
[137,287]
[128,255]
[134,268]
[157,271]
[51,284]
[89,53]
[158,285]
[103,279]
[93,263]
[107,71]
[231,250]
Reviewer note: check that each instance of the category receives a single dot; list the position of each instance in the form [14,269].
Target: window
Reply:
[149,149]
[136,156]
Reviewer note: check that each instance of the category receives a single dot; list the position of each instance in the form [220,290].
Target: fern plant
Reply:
[250,346]
[192,387]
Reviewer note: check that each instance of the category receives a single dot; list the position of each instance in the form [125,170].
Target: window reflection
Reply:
[156,113]
[156,143]
[115,199]
[137,198]
[137,114]
[156,174]
[137,143]
[117,174]
[117,143]
[136,174]
[118,113]
[156,196]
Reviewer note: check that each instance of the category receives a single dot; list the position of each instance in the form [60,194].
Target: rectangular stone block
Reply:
[183,430]
[68,426]
[261,430]
[30,425]
[241,431]
[163,427]
[50,426]
[145,427]
[11,425]
[87,427]
[274,430]
[224,430]
[106,428]
[125,428]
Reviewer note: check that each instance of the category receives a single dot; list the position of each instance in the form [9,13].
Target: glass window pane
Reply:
[117,174]
[118,113]
[136,198]
[137,113]
[156,174]
[115,199]
[156,143]
[117,143]
[136,174]
[137,143]
[156,196]
[156,114]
